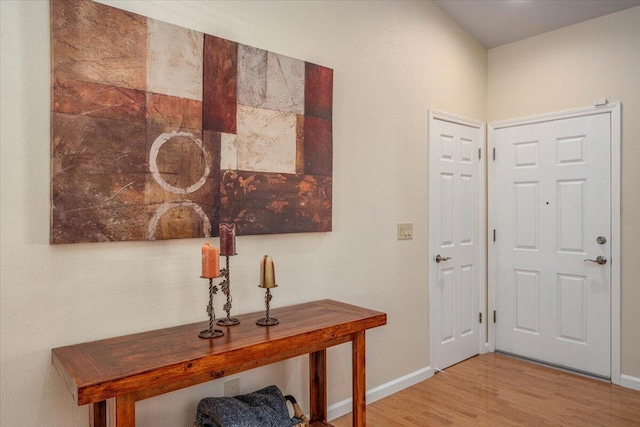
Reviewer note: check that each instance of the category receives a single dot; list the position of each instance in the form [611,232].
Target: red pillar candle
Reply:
[227,239]
[267,272]
[210,261]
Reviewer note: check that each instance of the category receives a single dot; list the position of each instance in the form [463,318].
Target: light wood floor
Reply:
[496,390]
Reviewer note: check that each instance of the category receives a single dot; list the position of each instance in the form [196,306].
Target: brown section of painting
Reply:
[212,142]
[269,203]
[318,146]
[173,112]
[181,164]
[98,209]
[98,100]
[92,42]
[318,91]
[96,146]
[299,144]
[220,84]
[98,179]
[181,222]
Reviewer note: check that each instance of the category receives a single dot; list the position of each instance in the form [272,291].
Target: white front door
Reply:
[551,211]
[456,236]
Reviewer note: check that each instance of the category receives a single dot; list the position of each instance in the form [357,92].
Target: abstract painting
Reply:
[161,132]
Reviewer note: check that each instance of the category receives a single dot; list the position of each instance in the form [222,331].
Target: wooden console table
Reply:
[112,374]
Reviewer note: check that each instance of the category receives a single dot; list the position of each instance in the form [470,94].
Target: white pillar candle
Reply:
[267,272]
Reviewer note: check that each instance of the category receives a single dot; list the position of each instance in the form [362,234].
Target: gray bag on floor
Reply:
[263,408]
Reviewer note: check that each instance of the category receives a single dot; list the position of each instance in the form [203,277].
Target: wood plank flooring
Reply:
[496,390]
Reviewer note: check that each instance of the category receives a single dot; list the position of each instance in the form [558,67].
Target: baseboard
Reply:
[344,407]
[630,382]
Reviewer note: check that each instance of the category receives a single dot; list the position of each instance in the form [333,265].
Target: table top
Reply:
[99,370]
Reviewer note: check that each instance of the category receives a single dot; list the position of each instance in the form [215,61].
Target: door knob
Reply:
[600,260]
[446,258]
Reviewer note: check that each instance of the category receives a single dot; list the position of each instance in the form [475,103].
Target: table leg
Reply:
[359,380]
[98,414]
[318,385]
[122,411]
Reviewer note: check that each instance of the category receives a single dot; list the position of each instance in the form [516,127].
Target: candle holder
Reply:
[211,333]
[267,320]
[226,285]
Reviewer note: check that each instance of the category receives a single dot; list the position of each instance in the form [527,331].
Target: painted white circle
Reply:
[206,224]
[153,164]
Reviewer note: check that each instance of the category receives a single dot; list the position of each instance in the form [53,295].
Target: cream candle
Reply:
[267,272]
[210,261]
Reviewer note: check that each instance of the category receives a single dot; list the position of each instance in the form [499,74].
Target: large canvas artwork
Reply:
[161,132]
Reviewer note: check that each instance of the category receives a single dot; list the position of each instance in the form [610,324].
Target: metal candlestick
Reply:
[225,285]
[211,333]
[267,320]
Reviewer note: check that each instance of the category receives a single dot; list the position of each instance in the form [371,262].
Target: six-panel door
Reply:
[551,203]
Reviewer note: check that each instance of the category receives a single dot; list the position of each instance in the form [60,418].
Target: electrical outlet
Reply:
[405,230]
[232,387]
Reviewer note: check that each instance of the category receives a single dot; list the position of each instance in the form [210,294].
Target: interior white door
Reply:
[551,204]
[456,230]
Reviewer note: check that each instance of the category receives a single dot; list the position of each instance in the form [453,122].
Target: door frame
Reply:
[481,224]
[614,112]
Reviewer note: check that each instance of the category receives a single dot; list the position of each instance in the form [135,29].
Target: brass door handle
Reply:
[600,260]
[446,258]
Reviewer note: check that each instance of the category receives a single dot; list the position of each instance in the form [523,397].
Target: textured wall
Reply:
[392,61]
[570,68]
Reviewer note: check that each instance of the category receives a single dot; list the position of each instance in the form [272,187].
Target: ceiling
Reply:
[497,22]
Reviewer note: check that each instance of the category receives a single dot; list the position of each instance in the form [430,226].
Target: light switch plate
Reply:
[405,230]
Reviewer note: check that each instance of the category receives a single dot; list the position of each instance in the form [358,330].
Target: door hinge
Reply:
[480,317]
[494,234]
[494,154]
[479,153]
[494,316]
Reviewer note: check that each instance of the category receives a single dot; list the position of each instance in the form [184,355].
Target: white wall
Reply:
[570,68]
[392,61]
